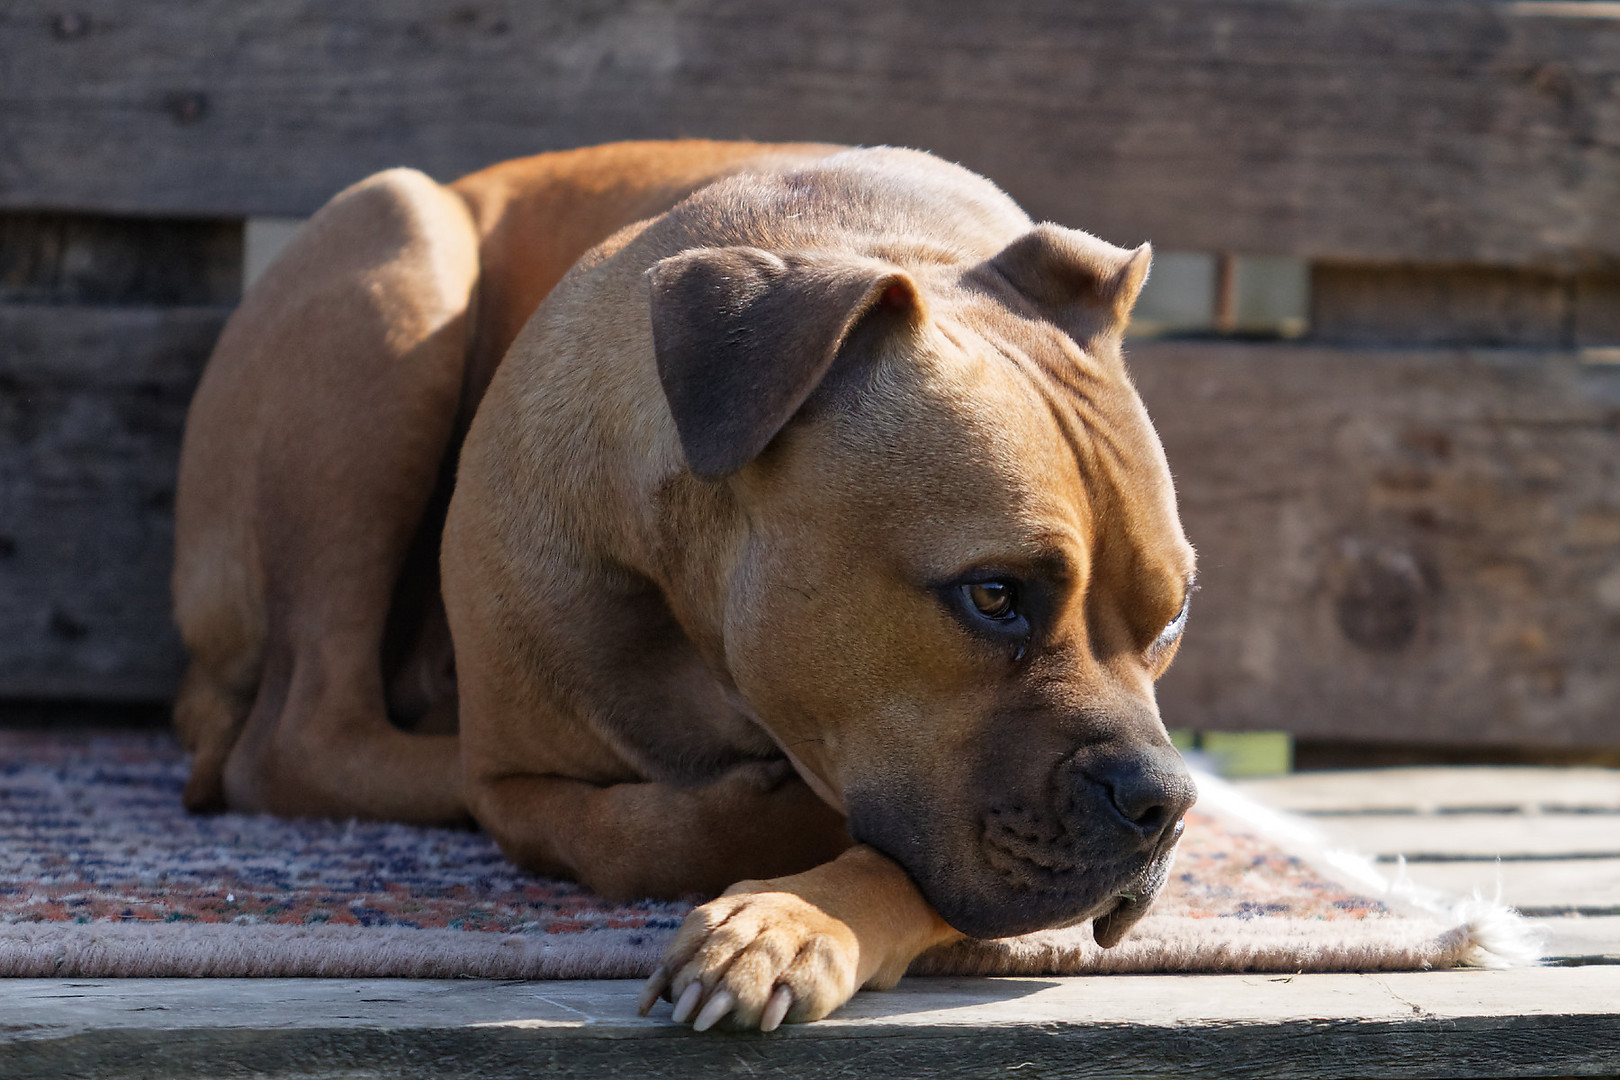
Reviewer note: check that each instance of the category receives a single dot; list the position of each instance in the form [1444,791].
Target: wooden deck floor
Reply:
[1549,839]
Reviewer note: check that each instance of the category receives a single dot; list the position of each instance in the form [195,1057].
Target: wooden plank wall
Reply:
[104,327]
[1395,544]
[1409,523]
[1436,131]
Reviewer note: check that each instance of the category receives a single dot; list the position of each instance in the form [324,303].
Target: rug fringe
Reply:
[224,950]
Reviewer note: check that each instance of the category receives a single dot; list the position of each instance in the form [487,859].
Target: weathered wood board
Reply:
[1543,840]
[1395,545]
[1414,1024]
[1446,790]
[1359,130]
[92,401]
[1546,841]
[1537,887]
[1479,837]
[1577,940]
[87,259]
[1407,305]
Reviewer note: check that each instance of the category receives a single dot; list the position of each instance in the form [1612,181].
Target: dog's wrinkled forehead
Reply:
[1022,394]
[1076,394]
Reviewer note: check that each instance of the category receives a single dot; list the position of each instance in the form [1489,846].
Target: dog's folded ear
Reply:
[743,336]
[1086,283]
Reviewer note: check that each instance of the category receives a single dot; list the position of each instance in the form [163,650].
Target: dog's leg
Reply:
[208,717]
[790,947]
[634,840]
[312,451]
[796,948]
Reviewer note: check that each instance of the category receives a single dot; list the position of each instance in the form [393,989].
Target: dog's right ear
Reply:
[743,336]
[1087,283]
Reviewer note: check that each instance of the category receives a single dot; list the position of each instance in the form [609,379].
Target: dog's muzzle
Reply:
[1096,841]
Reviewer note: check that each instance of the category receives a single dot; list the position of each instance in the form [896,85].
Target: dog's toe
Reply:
[752,960]
[776,1009]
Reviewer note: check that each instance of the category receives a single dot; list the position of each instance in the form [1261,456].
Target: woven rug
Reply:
[102,873]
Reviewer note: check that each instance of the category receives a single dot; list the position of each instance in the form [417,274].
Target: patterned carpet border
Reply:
[102,874]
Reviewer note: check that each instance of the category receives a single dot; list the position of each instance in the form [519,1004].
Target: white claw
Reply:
[717,1007]
[776,1009]
[688,1002]
[651,990]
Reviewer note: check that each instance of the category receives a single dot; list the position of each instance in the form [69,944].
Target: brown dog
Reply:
[807,538]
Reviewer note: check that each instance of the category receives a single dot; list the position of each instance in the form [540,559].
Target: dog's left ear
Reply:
[1081,279]
[743,336]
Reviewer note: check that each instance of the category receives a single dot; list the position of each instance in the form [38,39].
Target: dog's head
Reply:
[962,567]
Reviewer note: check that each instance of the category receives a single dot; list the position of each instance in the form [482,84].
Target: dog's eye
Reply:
[1170,633]
[996,600]
[996,610]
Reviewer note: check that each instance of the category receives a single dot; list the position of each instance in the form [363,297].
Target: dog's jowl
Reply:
[769,523]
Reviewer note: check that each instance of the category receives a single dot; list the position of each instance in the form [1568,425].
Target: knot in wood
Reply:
[1380,597]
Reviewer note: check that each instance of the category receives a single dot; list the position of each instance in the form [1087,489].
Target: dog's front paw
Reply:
[753,959]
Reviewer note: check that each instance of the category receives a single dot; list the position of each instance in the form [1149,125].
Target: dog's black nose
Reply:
[1149,788]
